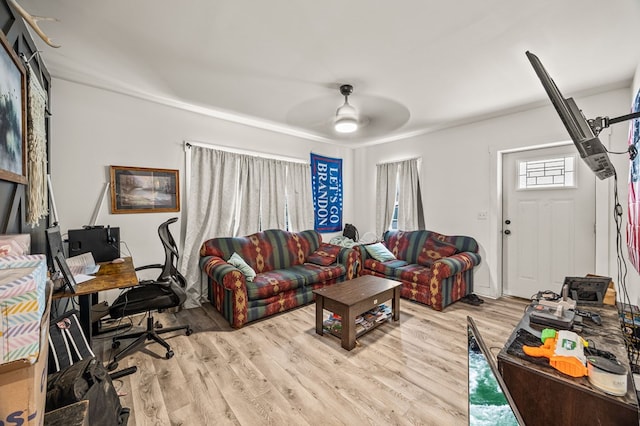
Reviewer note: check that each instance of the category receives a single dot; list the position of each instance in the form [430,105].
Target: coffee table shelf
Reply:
[371,323]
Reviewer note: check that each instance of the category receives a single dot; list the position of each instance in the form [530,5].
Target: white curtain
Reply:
[299,197]
[410,214]
[399,179]
[247,208]
[386,186]
[272,194]
[206,199]
[236,194]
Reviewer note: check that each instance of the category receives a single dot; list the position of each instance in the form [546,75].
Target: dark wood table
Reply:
[545,396]
[352,298]
[110,276]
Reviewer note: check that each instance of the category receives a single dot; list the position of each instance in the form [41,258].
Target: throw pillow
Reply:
[434,250]
[379,252]
[325,255]
[239,263]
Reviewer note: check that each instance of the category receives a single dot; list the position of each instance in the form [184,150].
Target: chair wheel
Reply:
[189,331]
[115,344]
[169,354]
[112,366]
[158,324]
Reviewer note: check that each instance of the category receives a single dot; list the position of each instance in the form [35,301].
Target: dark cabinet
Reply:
[545,396]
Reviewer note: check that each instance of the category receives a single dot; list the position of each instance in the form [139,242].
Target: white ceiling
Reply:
[278,64]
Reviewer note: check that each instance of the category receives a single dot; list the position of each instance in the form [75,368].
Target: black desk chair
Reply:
[167,291]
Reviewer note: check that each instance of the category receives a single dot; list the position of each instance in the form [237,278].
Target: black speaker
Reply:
[103,243]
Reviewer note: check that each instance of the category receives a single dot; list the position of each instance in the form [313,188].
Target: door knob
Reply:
[507,232]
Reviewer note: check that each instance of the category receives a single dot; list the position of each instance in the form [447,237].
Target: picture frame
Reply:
[144,190]
[13,109]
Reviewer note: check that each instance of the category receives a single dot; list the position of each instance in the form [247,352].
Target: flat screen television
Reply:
[591,150]
[490,402]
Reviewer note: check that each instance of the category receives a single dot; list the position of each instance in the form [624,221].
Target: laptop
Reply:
[489,399]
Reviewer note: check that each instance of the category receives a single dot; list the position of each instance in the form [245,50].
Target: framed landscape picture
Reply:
[144,190]
[13,113]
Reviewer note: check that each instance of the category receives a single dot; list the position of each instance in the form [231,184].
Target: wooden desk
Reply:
[110,276]
[544,396]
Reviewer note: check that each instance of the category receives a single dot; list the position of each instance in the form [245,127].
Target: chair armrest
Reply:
[362,252]
[349,258]
[154,266]
[221,272]
[459,262]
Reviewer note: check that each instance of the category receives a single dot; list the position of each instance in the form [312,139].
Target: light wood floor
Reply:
[279,371]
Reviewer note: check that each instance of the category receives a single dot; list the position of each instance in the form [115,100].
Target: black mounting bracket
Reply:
[599,123]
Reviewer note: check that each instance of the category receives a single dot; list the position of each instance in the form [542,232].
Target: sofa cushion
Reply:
[433,250]
[239,263]
[325,255]
[272,283]
[387,268]
[379,252]
[413,274]
[266,251]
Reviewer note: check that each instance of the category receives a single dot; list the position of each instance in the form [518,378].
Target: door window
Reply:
[558,172]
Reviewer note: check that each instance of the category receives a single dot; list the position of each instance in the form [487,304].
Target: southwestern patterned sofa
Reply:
[288,267]
[434,269]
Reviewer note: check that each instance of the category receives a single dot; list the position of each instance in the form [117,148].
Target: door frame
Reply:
[602,209]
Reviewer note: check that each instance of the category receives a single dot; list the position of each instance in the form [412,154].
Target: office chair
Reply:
[166,291]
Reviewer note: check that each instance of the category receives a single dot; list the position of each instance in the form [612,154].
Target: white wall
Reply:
[93,128]
[459,176]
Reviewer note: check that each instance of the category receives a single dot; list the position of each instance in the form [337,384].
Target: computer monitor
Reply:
[55,245]
[489,399]
[591,150]
[103,243]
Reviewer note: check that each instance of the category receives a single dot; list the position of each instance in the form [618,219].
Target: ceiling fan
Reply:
[360,116]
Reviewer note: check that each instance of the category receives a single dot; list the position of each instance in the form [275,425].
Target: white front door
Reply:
[547,232]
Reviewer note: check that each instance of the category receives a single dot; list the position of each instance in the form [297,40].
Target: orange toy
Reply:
[565,350]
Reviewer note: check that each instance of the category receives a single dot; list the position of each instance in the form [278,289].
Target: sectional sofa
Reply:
[275,271]
[434,269]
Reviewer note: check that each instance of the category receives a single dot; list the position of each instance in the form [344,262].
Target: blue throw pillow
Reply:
[379,252]
[239,263]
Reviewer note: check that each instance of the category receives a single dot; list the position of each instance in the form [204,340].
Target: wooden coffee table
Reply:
[352,298]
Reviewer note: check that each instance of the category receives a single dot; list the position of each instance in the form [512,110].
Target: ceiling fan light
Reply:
[346,125]
[346,115]
[346,119]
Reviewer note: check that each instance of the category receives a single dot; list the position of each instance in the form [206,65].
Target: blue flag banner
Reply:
[326,182]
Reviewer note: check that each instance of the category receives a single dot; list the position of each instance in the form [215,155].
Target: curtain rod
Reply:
[188,144]
[399,161]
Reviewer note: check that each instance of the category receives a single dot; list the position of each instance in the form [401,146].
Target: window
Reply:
[547,173]
[394,217]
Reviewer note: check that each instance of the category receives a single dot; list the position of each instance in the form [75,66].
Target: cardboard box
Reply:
[610,295]
[23,384]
